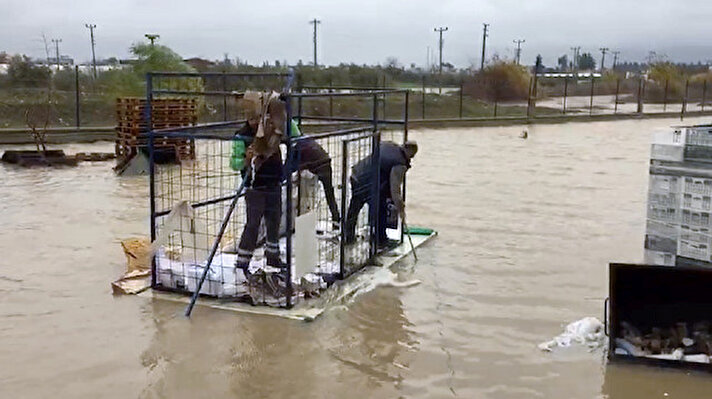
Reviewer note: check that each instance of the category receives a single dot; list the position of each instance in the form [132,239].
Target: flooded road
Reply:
[527,228]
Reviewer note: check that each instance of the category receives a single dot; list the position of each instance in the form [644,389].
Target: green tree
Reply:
[586,61]
[23,73]
[563,62]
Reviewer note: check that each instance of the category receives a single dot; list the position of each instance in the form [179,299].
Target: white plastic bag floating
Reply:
[588,331]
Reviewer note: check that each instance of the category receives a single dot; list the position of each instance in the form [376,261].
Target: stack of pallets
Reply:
[131,127]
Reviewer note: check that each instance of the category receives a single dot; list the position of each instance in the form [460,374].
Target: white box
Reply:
[662,229]
[694,250]
[695,218]
[698,136]
[667,152]
[659,258]
[670,136]
[697,202]
[664,184]
[664,214]
[697,185]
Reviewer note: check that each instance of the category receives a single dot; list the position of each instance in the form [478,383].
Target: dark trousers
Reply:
[261,203]
[324,174]
[360,195]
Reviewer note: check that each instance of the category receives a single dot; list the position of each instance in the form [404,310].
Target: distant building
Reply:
[199,63]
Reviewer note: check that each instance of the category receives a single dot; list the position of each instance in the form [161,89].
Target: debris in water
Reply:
[587,331]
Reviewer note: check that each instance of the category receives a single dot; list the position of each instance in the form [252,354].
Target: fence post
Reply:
[618,87]
[300,90]
[423,95]
[684,100]
[461,85]
[529,98]
[331,98]
[76,95]
[704,94]
[665,96]
[496,97]
[590,105]
[566,93]
[224,89]
[383,97]
[640,96]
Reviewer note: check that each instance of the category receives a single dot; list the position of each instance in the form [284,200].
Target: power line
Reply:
[484,40]
[93,55]
[315,22]
[518,54]
[56,46]
[604,50]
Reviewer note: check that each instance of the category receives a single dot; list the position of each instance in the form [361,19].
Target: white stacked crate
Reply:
[680,197]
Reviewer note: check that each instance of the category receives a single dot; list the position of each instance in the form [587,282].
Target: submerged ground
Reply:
[527,228]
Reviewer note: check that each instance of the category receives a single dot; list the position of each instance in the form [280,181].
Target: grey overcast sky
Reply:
[364,31]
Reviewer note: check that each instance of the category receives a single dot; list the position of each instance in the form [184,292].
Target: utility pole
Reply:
[56,46]
[315,22]
[440,45]
[519,48]
[93,55]
[615,59]
[152,37]
[574,63]
[427,60]
[604,50]
[484,41]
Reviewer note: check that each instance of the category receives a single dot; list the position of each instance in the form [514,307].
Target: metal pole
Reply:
[224,89]
[423,95]
[315,22]
[93,55]
[76,95]
[684,100]
[216,244]
[590,106]
[291,167]
[151,169]
[529,98]
[461,85]
[344,184]
[665,96]
[618,86]
[495,106]
[331,98]
[440,77]
[640,96]
[484,41]
[566,92]
[375,201]
[704,94]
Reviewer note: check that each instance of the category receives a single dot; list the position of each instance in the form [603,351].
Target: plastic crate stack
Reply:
[131,126]
[678,228]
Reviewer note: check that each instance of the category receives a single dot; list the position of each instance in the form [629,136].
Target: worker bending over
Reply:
[394,162]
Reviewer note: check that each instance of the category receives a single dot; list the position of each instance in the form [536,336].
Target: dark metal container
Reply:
[648,296]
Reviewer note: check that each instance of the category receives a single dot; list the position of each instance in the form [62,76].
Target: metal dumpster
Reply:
[666,307]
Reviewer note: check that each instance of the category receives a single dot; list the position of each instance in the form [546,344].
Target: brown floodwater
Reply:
[527,228]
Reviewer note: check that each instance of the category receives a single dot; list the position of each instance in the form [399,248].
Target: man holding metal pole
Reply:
[263,173]
[394,162]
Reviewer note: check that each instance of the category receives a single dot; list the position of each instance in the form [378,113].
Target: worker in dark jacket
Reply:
[313,157]
[394,162]
[263,198]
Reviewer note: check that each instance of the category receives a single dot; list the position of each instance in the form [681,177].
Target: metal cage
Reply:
[189,201]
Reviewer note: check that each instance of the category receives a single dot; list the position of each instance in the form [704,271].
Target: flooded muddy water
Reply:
[526,230]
